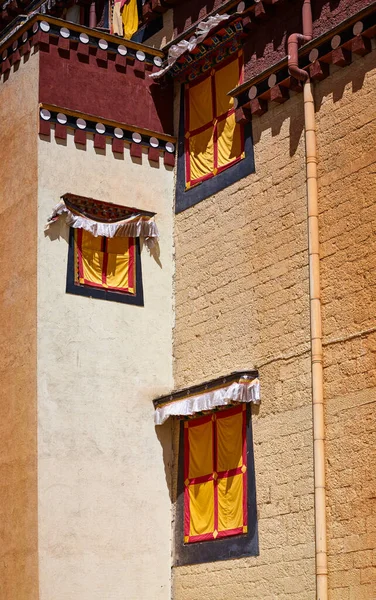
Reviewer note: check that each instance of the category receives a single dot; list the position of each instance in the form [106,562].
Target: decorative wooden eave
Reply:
[40,29]
[226,37]
[121,136]
[238,20]
[335,47]
[258,8]
[239,386]
[10,9]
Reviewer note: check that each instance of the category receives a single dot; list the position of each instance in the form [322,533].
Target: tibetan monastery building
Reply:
[188,299]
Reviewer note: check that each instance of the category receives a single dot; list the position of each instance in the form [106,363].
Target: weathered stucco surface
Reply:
[347,167]
[104,505]
[18,406]
[242,301]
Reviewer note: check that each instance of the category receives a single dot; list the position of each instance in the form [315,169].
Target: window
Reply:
[101,267]
[213,140]
[212,145]
[216,508]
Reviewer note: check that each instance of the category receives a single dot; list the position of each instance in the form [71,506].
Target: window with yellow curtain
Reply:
[216,488]
[214,142]
[213,150]
[108,268]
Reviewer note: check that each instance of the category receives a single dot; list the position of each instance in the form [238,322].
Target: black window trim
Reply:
[224,548]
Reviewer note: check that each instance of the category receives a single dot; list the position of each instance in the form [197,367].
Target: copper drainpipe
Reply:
[92,15]
[294,41]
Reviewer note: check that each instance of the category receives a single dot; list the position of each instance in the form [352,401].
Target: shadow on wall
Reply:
[59,229]
[267,43]
[164,435]
[56,230]
[347,76]
[293,109]
[274,119]
[162,95]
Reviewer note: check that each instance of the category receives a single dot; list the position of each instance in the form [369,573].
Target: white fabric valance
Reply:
[135,225]
[244,390]
[176,50]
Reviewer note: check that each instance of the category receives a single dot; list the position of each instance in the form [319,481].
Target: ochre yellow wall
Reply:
[242,301]
[18,284]
[347,168]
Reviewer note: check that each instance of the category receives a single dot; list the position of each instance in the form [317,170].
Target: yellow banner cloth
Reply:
[130,19]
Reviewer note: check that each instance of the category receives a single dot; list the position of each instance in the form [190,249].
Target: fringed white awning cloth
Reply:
[176,50]
[242,391]
[137,225]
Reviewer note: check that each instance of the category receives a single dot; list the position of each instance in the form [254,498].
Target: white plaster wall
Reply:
[104,504]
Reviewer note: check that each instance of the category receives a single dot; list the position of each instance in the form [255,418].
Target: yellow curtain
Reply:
[229,442]
[213,139]
[215,475]
[230,503]
[117,274]
[92,258]
[130,19]
[105,262]
[201,150]
[202,508]
[200,450]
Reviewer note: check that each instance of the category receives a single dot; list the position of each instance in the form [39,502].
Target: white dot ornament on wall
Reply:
[103,44]
[45,114]
[157,61]
[252,92]
[154,142]
[84,38]
[14,46]
[61,118]
[100,128]
[170,147]
[122,50]
[136,137]
[64,32]
[35,27]
[24,37]
[81,123]
[140,55]
[4,55]
[313,55]
[45,26]
[118,133]
[358,28]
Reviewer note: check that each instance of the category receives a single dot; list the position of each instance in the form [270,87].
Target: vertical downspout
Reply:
[315,303]
[92,15]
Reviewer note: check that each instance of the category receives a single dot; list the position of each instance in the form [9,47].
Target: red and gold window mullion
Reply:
[215,475]
[105,261]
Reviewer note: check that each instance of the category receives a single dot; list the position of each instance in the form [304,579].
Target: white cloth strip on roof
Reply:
[176,50]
